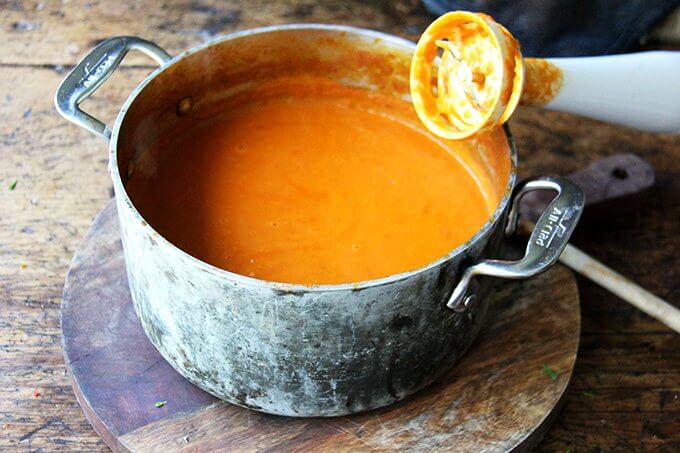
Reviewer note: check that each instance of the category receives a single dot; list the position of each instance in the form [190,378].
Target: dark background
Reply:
[567,28]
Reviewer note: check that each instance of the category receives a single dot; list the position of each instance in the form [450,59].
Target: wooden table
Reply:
[626,389]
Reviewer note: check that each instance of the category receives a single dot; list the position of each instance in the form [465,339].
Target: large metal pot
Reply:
[292,349]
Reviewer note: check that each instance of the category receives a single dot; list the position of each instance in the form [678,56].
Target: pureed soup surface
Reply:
[310,182]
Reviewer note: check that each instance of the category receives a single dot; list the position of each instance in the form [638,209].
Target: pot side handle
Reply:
[546,243]
[91,72]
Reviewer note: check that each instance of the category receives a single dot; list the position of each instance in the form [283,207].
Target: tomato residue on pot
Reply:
[304,180]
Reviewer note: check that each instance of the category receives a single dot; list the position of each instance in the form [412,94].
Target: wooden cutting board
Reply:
[498,397]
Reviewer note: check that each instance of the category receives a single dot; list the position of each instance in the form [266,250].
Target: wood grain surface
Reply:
[625,393]
[497,398]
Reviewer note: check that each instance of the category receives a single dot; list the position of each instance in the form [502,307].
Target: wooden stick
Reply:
[619,285]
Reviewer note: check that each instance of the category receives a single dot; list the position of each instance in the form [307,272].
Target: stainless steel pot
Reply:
[292,349]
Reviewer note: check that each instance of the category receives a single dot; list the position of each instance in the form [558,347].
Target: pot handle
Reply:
[546,243]
[92,72]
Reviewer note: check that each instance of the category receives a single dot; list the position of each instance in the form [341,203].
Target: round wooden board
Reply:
[497,397]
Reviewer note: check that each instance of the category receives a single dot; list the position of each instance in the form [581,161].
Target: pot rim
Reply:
[392,41]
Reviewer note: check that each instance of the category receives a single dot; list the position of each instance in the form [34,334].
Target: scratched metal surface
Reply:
[297,353]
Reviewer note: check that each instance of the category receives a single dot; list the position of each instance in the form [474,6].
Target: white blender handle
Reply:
[640,90]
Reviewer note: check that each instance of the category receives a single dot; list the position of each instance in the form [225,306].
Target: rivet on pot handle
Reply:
[91,72]
[547,241]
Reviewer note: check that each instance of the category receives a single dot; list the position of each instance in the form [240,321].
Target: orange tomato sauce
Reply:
[312,183]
